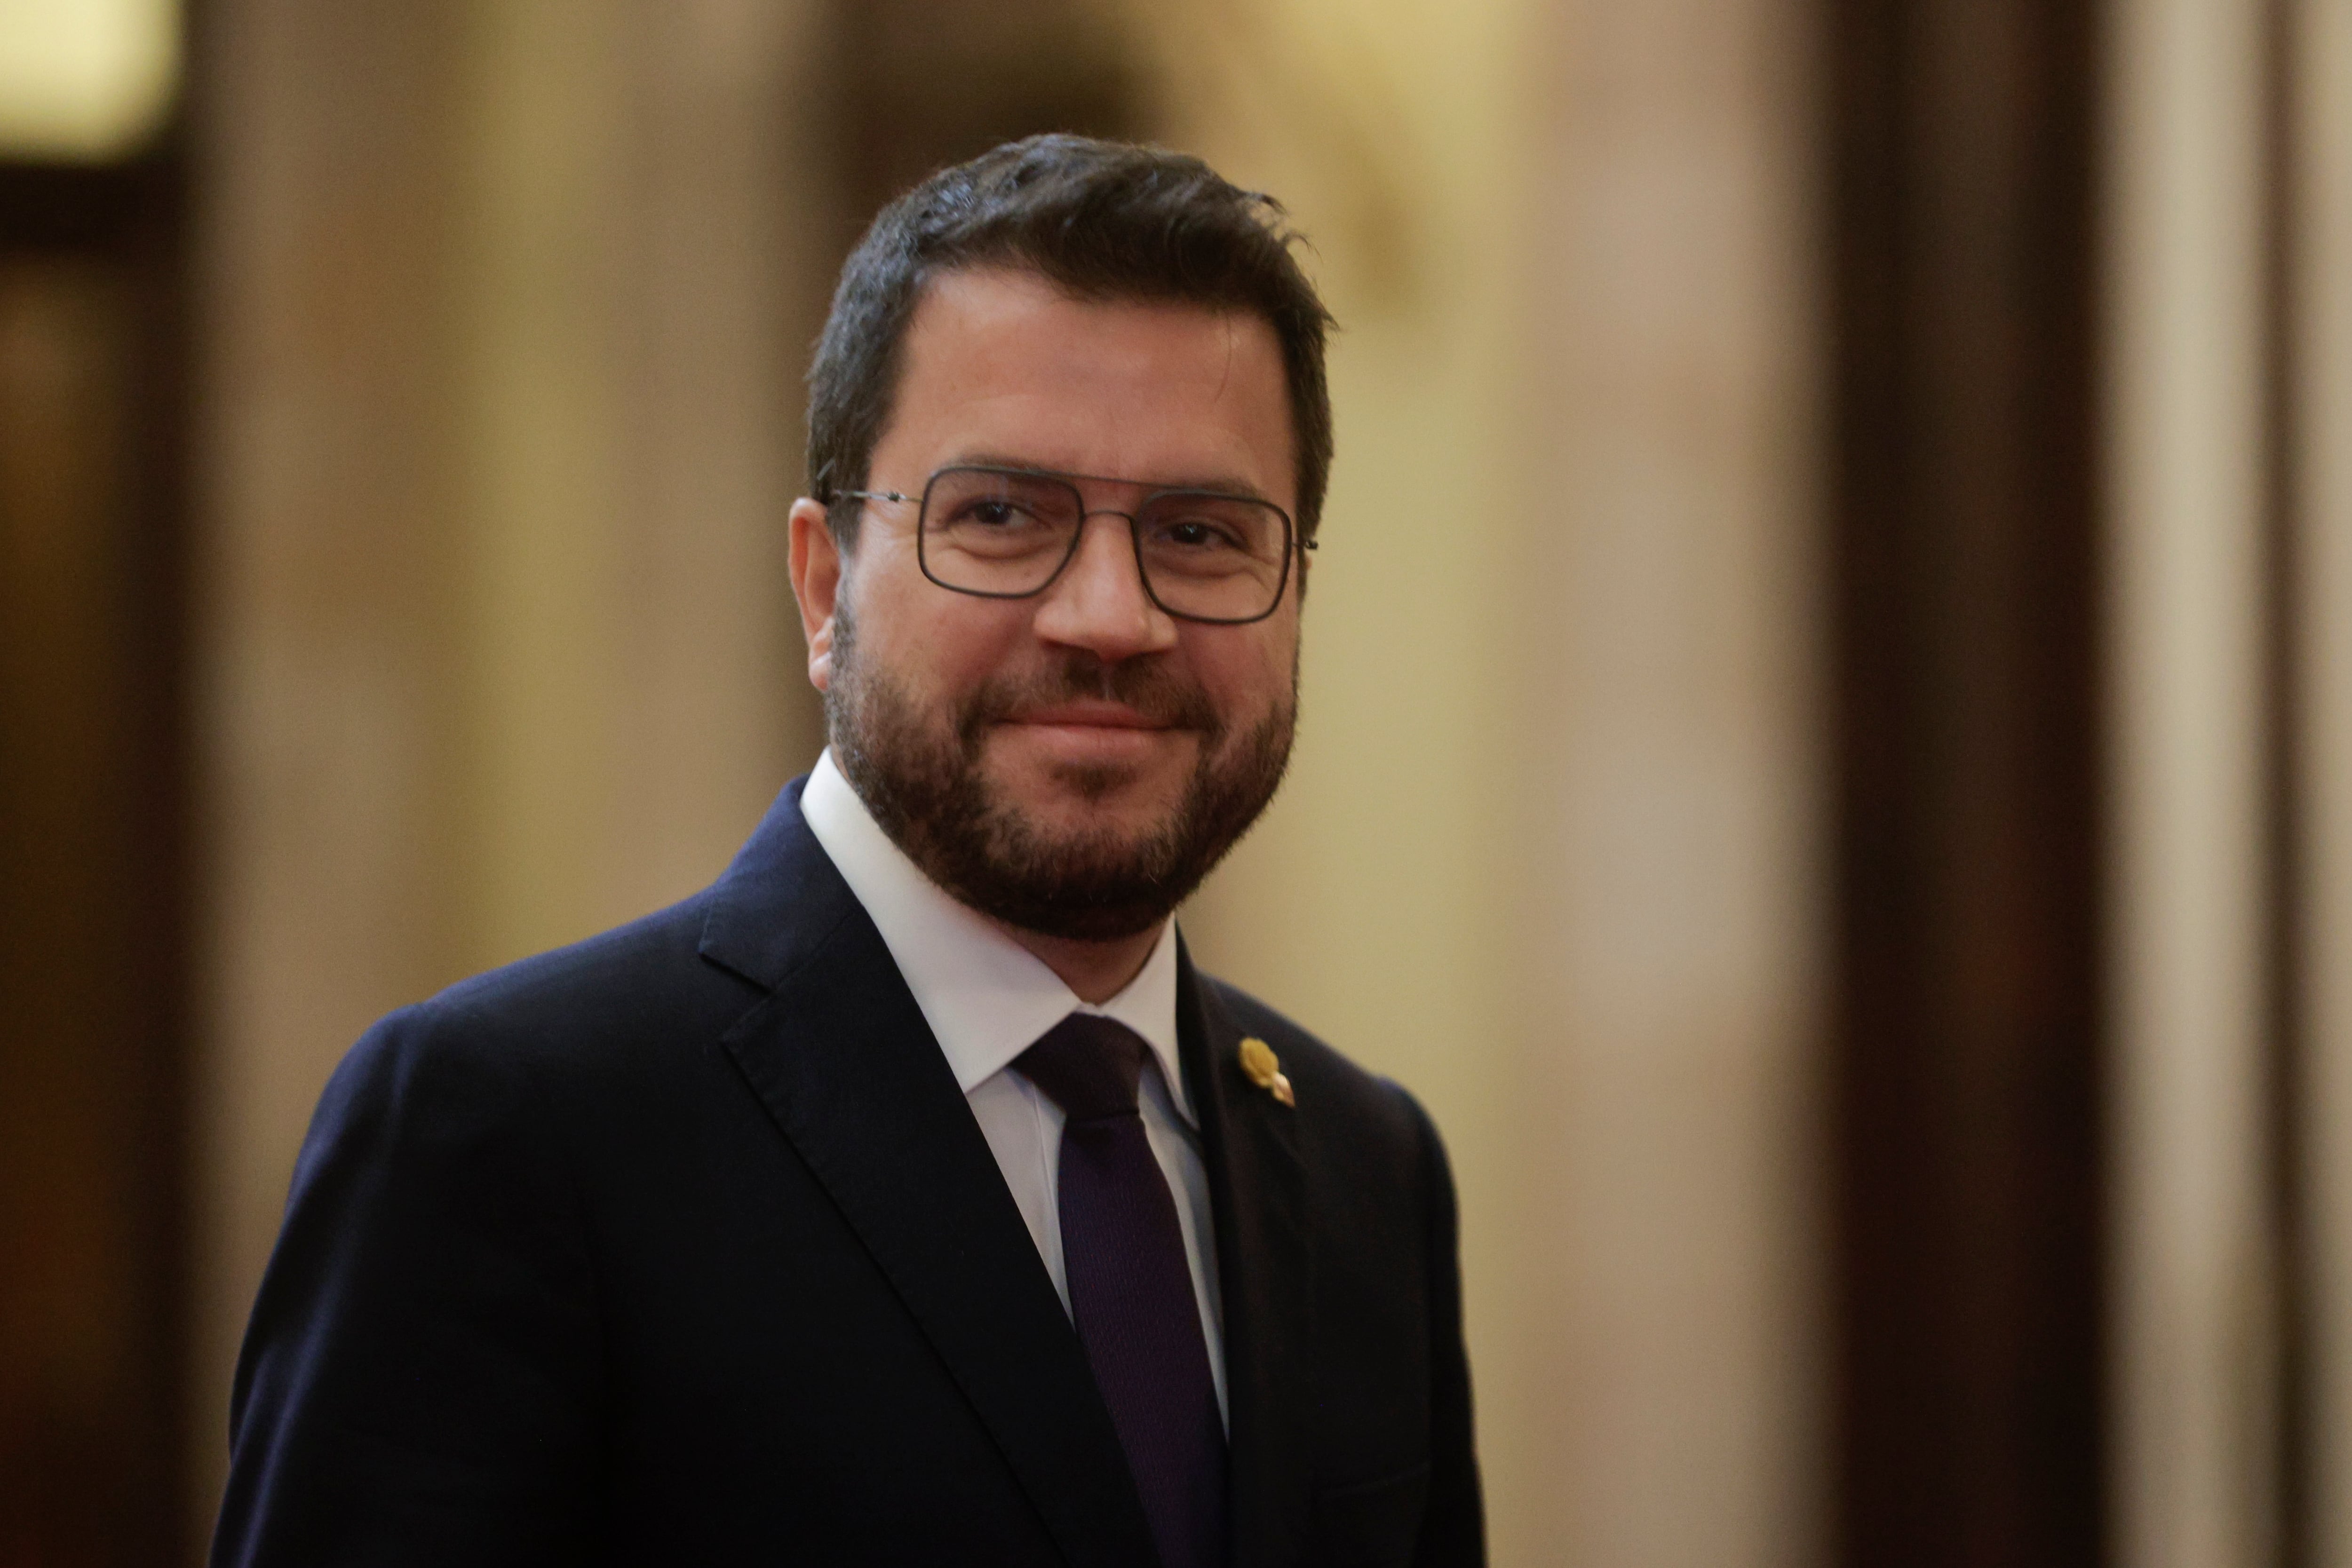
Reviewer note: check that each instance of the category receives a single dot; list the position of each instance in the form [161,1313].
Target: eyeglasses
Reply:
[1007,533]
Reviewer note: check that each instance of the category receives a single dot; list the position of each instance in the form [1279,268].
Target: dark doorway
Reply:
[1969,1011]
[93,885]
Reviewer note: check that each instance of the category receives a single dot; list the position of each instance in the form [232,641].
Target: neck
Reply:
[1096,971]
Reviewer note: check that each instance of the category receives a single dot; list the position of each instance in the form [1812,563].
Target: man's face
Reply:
[1074,762]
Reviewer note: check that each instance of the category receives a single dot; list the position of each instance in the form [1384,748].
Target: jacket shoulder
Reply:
[597,1015]
[613,977]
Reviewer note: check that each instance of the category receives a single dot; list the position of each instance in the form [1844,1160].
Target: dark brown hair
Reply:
[1103,220]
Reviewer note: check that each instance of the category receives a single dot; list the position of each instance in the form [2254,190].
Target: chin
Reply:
[1083,811]
[1084,794]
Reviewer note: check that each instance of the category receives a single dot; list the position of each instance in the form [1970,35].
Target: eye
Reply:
[1200,534]
[995,513]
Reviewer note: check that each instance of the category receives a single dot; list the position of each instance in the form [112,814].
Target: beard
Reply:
[923,782]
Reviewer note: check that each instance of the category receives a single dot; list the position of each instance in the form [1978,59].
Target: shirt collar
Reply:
[986,998]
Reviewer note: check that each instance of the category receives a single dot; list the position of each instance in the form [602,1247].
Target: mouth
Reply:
[1092,714]
[1091,734]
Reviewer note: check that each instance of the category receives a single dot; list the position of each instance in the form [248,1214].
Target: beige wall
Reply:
[1547,853]
[631,410]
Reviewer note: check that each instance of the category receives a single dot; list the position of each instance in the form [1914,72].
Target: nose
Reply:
[1098,602]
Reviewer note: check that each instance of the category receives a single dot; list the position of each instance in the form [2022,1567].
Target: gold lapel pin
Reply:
[1265,1069]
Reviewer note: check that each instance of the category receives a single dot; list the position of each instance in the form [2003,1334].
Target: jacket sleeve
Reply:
[418,1380]
[1454,1528]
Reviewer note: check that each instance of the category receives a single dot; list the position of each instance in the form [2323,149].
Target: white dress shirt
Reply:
[988,1000]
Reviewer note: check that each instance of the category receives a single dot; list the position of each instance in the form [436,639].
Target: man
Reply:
[907,1197]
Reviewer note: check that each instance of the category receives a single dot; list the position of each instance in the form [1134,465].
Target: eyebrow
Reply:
[1215,484]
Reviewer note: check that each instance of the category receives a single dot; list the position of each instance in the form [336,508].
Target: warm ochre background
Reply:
[1827,744]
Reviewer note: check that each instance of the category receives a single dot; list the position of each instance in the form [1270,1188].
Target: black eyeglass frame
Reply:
[1292,544]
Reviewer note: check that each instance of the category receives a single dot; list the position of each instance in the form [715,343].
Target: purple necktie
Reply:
[1131,1288]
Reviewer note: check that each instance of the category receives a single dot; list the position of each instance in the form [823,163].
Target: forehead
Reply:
[1002,365]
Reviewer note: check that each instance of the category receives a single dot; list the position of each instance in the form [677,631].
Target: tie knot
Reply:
[1088,1065]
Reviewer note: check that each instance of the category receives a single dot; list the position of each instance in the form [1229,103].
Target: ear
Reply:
[817,583]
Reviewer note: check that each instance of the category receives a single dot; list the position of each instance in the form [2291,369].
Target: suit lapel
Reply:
[842,1058]
[1257,1196]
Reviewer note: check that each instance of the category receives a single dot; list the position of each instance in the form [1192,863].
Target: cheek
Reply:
[947,645]
[1254,678]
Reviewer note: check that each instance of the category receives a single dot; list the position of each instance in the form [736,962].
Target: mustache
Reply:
[1150,689]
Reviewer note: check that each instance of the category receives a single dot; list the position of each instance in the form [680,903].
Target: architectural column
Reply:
[2194,1350]
[503,309]
[2321,117]
[1676,937]
[1548,851]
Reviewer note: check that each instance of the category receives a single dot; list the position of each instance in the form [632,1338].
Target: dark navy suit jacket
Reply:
[681,1246]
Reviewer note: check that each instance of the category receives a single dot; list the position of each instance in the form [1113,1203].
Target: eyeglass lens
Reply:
[1216,557]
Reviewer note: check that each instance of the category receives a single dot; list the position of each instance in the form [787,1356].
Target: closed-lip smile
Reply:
[1088,715]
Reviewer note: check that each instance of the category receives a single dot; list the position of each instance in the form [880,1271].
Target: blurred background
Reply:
[1827,747]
